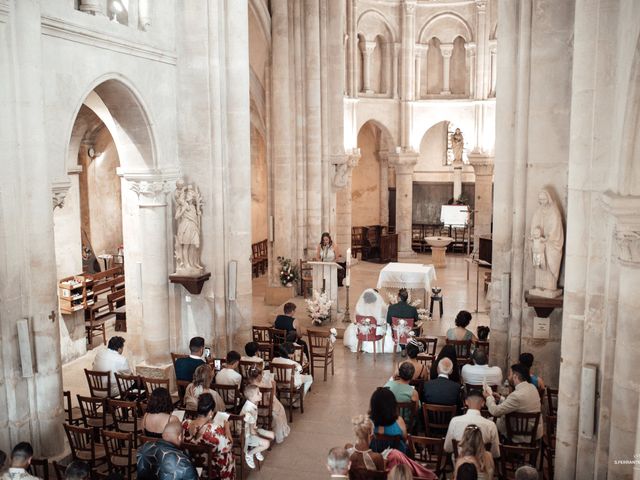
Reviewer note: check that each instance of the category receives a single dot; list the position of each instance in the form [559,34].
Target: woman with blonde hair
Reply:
[201,384]
[400,472]
[471,450]
[280,426]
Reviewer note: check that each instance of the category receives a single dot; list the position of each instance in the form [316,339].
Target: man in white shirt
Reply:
[20,460]
[480,372]
[229,374]
[474,403]
[110,359]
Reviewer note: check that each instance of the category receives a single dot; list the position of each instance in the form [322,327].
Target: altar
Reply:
[407,275]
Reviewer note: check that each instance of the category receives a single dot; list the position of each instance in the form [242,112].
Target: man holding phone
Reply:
[186,366]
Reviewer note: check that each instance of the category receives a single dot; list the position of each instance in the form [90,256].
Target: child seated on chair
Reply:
[257,440]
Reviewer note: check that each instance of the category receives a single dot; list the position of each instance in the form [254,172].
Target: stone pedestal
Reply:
[403,161]
[438,257]
[457,179]
[158,371]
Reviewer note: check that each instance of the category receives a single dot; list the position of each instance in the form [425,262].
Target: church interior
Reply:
[312,198]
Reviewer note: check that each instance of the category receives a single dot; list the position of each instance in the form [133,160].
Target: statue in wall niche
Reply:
[341,176]
[457,145]
[188,215]
[547,239]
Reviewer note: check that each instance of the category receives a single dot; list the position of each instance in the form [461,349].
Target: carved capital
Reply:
[421,49]
[628,246]
[344,163]
[470,48]
[59,190]
[403,160]
[446,49]
[151,186]
[625,209]
[481,5]
[409,6]
[482,164]
[367,47]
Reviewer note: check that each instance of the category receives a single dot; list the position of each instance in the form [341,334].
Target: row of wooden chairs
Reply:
[259,258]
[107,283]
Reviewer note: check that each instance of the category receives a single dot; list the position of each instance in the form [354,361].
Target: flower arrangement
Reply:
[319,307]
[288,271]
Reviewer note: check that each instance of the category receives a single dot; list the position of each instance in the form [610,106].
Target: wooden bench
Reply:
[97,314]
[117,305]
[259,258]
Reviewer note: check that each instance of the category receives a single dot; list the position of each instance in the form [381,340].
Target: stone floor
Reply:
[330,405]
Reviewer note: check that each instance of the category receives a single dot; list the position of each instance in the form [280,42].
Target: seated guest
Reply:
[383,411]
[420,371]
[466,471]
[526,472]
[281,428]
[285,352]
[251,351]
[207,429]
[289,323]
[524,399]
[480,372]
[338,463]
[159,413]
[402,390]
[77,471]
[257,440]
[186,366]
[471,450]
[460,331]
[442,390]
[229,374]
[474,403]
[526,359]
[363,458]
[448,351]
[110,359]
[21,456]
[201,384]
[402,309]
[163,459]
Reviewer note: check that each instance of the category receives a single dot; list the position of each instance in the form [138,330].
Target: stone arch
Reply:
[377,14]
[446,27]
[385,132]
[116,102]
[629,170]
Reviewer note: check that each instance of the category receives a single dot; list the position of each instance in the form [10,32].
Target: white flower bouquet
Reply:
[393,298]
[319,307]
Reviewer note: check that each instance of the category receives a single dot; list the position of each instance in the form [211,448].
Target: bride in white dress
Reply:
[370,304]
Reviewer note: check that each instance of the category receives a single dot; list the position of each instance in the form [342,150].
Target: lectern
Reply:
[325,278]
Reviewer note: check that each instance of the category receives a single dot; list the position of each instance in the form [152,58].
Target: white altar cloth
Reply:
[407,275]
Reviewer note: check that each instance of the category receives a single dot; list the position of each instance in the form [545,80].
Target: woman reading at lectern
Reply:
[327,250]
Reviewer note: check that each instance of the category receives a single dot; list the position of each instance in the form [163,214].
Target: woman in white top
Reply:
[327,250]
[370,304]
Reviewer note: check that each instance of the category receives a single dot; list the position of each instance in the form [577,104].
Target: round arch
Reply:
[116,102]
[377,13]
[385,132]
[629,172]
[446,27]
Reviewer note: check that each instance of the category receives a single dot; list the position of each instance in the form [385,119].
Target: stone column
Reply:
[383,157]
[352,48]
[446,49]
[282,145]
[395,53]
[493,48]
[421,52]
[342,187]
[483,168]
[367,49]
[403,162]
[481,40]
[457,178]
[152,196]
[407,75]
[144,14]
[470,49]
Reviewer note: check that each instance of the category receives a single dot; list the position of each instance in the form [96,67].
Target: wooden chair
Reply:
[142,439]
[437,418]
[463,350]
[522,425]
[99,383]
[430,345]
[364,474]
[117,306]
[407,410]
[483,345]
[552,401]
[39,468]
[256,261]
[180,384]
[126,417]
[59,469]
[73,414]
[151,383]
[549,443]
[118,447]
[429,452]
[201,457]
[261,335]
[265,408]
[298,356]
[513,457]
[380,442]
[454,443]
[277,336]
[94,413]
[366,328]
[320,351]
[417,238]
[306,279]
[245,365]
[236,425]
[230,394]
[83,446]
[265,352]
[284,376]
[263,253]
[400,329]
[130,387]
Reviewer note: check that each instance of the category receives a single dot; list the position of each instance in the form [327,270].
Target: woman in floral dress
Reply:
[203,430]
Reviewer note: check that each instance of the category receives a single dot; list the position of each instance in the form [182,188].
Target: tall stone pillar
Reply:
[493,48]
[403,162]
[482,38]
[446,49]
[342,186]
[367,49]
[470,49]
[483,169]
[152,195]
[383,157]
[395,54]
[457,178]
[421,52]
[352,48]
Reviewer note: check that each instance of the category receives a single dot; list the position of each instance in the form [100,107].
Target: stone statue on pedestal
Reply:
[547,239]
[188,215]
[457,146]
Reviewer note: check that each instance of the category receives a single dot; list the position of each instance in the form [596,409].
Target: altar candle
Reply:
[348,257]
[347,280]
